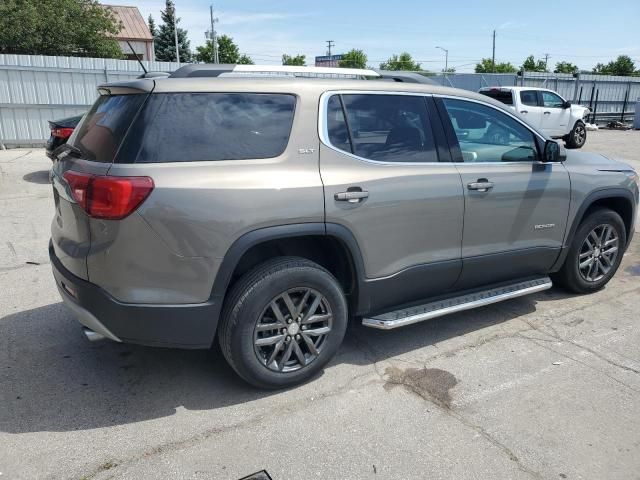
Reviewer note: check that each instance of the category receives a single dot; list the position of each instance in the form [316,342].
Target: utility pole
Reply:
[546,59]
[446,59]
[175,32]
[493,56]
[214,43]
[330,43]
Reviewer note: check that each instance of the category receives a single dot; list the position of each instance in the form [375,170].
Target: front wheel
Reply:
[578,135]
[595,252]
[282,322]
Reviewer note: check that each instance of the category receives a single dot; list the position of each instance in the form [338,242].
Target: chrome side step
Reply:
[407,316]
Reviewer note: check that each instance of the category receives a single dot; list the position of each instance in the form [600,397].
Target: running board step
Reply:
[427,311]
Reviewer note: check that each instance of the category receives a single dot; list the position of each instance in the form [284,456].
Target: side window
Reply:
[384,128]
[486,134]
[336,125]
[551,100]
[529,97]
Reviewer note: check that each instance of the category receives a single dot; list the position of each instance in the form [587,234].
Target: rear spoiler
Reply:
[126,87]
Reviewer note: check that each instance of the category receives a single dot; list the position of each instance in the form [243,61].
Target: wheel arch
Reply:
[619,200]
[331,245]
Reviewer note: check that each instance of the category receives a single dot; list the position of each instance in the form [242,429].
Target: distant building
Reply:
[329,61]
[134,30]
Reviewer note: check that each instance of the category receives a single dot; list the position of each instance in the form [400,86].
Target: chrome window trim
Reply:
[323,129]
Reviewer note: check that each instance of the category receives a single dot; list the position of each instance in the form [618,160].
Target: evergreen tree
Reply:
[165,43]
[152,27]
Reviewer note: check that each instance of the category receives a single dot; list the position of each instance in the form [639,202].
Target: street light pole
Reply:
[446,58]
[175,32]
[214,44]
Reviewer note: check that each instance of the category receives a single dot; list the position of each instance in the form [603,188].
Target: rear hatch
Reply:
[89,152]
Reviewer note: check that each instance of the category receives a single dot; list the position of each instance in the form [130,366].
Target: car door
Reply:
[515,205]
[529,107]
[555,118]
[384,182]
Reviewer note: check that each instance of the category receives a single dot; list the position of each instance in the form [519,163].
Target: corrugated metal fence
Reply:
[614,95]
[35,89]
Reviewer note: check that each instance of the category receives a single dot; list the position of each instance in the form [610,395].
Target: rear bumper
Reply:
[180,326]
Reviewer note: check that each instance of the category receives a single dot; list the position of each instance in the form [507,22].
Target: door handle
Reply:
[524,111]
[351,196]
[547,113]
[482,185]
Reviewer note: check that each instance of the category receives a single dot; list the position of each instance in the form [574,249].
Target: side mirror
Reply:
[553,152]
[566,104]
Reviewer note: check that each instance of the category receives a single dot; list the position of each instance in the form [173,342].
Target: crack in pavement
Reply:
[292,407]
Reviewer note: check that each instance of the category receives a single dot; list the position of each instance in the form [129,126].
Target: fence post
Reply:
[624,103]
[575,88]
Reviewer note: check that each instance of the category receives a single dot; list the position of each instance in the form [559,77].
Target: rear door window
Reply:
[105,126]
[529,97]
[190,127]
[385,128]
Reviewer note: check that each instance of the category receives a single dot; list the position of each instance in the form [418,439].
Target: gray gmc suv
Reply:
[266,213]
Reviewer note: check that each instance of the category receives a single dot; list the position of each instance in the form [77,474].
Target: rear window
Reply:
[190,127]
[500,95]
[103,129]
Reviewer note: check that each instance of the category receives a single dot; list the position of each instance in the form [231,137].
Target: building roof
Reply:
[133,25]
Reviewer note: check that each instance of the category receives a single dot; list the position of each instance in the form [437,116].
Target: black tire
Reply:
[250,299]
[570,276]
[577,136]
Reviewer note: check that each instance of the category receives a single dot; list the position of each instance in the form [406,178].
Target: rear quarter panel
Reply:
[198,209]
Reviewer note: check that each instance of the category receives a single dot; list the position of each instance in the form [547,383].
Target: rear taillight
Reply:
[111,198]
[61,132]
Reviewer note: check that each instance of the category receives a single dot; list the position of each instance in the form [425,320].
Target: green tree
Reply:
[228,52]
[404,61]
[353,59]
[165,40]
[486,66]
[245,60]
[298,60]
[623,65]
[532,65]
[58,27]
[566,67]
[152,26]
[449,70]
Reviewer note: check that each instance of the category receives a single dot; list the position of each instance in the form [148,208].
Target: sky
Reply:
[583,33]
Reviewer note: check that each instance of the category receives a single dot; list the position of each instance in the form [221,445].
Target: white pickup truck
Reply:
[546,110]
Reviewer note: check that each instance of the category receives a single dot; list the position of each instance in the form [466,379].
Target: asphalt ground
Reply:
[544,386]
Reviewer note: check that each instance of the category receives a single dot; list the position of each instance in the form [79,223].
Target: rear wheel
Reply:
[282,323]
[578,135]
[595,253]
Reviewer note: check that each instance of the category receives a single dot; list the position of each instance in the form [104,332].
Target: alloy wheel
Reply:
[598,253]
[292,330]
[579,134]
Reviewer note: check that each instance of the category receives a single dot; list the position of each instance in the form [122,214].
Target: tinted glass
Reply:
[336,125]
[551,100]
[103,129]
[529,97]
[487,135]
[390,128]
[190,127]
[500,95]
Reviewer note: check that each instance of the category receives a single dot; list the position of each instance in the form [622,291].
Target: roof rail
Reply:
[405,76]
[215,70]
